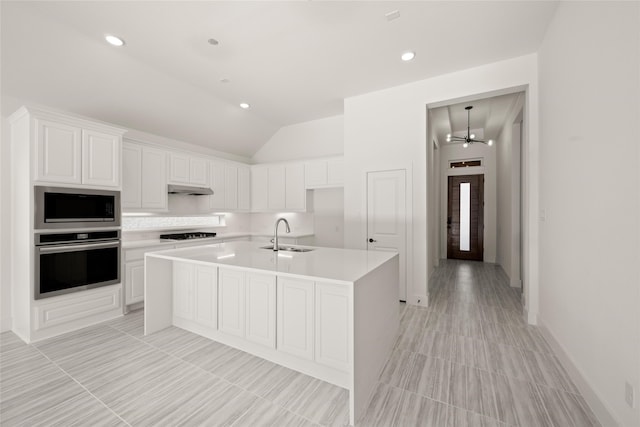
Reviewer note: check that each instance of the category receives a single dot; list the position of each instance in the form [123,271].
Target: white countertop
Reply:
[327,264]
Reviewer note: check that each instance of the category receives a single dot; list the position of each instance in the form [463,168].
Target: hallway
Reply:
[470,359]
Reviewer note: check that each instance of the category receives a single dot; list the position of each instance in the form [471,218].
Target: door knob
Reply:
[372,241]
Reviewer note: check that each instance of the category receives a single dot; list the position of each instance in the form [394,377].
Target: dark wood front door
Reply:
[465,217]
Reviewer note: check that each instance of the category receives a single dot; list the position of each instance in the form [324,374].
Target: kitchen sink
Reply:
[288,248]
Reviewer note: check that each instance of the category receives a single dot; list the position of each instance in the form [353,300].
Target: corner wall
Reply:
[590,198]
[387,129]
[5,227]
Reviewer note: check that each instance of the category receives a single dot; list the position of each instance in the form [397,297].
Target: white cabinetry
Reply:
[323,173]
[232,301]
[75,154]
[186,169]
[259,188]
[134,272]
[100,159]
[144,178]
[295,316]
[332,336]
[195,294]
[277,188]
[261,309]
[231,185]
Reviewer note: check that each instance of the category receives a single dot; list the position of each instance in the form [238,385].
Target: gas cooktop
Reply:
[187,236]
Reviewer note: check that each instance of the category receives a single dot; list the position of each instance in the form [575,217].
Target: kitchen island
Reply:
[329,313]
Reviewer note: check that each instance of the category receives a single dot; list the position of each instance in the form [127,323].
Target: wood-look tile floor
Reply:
[469,359]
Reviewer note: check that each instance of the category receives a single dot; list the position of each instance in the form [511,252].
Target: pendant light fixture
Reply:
[469,138]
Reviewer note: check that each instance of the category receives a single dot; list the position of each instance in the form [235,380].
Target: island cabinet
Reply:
[328,313]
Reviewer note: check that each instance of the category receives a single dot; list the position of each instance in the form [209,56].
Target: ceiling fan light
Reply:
[490,142]
[465,145]
[472,136]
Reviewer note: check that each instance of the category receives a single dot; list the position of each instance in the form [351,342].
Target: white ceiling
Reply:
[292,61]
[486,119]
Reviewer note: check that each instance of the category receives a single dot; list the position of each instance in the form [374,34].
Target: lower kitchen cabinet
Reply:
[134,282]
[295,316]
[261,309]
[195,295]
[332,336]
[232,301]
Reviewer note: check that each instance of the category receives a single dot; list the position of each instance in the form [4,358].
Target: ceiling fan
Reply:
[469,138]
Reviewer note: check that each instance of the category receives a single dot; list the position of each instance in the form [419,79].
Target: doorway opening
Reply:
[497,228]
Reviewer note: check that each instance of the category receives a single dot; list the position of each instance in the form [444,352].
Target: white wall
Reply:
[590,193]
[387,129]
[507,148]
[5,228]
[488,169]
[328,217]
[316,138]
[299,222]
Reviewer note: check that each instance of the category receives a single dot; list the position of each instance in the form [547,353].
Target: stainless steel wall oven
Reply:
[71,261]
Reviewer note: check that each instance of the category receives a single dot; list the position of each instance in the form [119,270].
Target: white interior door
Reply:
[387,219]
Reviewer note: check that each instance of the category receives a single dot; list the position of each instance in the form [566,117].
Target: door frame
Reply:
[414,294]
[530,176]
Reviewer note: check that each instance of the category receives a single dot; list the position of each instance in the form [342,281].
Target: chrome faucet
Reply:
[275,233]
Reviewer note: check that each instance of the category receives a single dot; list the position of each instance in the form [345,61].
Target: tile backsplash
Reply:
[141,223]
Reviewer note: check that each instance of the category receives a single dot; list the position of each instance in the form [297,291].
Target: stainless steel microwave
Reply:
[59,207]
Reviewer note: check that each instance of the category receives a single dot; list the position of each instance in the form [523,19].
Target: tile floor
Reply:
[467,360]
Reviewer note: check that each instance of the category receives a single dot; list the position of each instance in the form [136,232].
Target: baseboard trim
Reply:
[6,324]
[530,317]
[597,405]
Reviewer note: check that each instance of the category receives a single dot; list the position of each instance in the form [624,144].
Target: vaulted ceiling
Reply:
[291,61]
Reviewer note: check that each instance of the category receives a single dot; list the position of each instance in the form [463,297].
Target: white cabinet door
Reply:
[276,187]
[231,316]
[179,170]
[198,171]
[131,197]
[261,309]
[335,172]
[58,152]
[216,174]
[295,317]
[100,159]
[231,187]
[134,282]
[332,317]
[294,188]
[154,179]
[259,189]
[206,296]
[315,173]
[244,188]
[183,290]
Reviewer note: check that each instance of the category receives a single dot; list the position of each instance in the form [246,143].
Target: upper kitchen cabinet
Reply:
[231,185]
[70,150]
[185,169]
[277,188]
[324,173]
[144,178]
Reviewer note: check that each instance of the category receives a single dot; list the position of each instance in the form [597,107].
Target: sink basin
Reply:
[288,248]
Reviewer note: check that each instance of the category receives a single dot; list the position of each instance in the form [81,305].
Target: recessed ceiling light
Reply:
[113,40]
[225,80]
[244,105]
[213,42]
[408,56]
[394,14]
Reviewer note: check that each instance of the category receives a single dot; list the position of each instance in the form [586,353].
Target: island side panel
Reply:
[376,326]
[158,294]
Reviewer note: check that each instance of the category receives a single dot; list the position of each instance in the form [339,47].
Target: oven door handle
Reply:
[73,248]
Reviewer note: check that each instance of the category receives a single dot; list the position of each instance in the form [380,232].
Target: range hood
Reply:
[190,190]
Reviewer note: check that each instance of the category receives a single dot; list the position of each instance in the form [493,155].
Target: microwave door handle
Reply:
[72,248]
